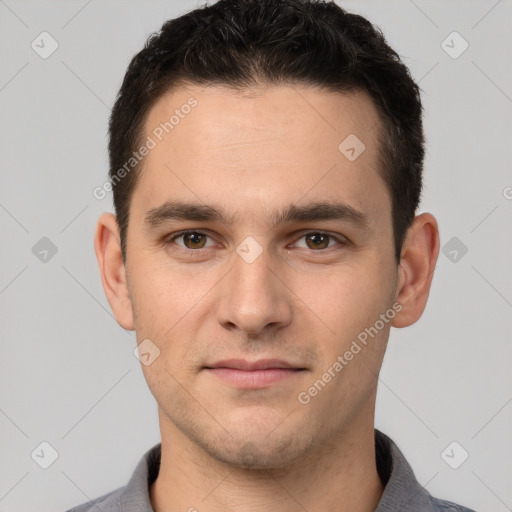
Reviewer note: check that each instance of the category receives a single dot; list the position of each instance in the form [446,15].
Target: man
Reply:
[266,162]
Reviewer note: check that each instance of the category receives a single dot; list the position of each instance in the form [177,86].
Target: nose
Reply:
[255,296]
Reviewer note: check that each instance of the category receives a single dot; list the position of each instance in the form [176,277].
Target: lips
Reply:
[253,374]
[262,364]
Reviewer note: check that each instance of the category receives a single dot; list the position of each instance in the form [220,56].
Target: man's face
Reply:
[244,288]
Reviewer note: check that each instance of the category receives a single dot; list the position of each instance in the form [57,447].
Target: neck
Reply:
[341,476]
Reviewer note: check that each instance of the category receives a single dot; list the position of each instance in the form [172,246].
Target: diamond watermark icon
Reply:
[249,249]
[44,455]
[351,147]
[146,352]
[454,455]
[249,455]
[44,250]
[454,45]
[44,45]
[454,249]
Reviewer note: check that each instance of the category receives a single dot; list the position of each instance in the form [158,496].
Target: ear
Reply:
[107,246]
[416,269]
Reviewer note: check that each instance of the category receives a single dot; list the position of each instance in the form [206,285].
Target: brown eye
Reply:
[194,240]
[318,241]
[190,240]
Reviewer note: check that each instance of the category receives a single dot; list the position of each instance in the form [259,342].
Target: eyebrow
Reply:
[316,211]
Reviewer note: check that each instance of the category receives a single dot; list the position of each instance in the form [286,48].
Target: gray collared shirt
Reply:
[402,492]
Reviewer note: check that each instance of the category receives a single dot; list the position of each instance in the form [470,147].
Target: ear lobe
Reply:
[417,264]
[107,246]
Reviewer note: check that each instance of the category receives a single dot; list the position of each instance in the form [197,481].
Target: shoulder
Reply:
[401,486]
[448,506]
[134,496]
[110,502]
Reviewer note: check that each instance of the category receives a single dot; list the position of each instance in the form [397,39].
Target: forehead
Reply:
[262,147]
[281,116]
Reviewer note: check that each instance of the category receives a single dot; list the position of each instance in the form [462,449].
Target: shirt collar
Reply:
[402,492]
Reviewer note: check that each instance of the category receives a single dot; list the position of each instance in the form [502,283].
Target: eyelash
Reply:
[181,234]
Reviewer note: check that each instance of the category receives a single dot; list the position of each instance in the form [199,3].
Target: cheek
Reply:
[163,296]
[169,310]
[346,300]
[351,349]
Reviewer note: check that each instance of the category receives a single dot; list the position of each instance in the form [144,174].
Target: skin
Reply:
[226,448]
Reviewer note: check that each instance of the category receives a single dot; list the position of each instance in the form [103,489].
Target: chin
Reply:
[252,437]
[260,451]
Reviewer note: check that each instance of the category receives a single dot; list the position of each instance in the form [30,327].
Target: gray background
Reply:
[67,372]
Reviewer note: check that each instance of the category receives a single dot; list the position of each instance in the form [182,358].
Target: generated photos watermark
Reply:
[304,397]
[151,142]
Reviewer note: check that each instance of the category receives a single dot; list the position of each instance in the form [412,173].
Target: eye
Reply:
[195,240]
[192,240]
[318,240]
